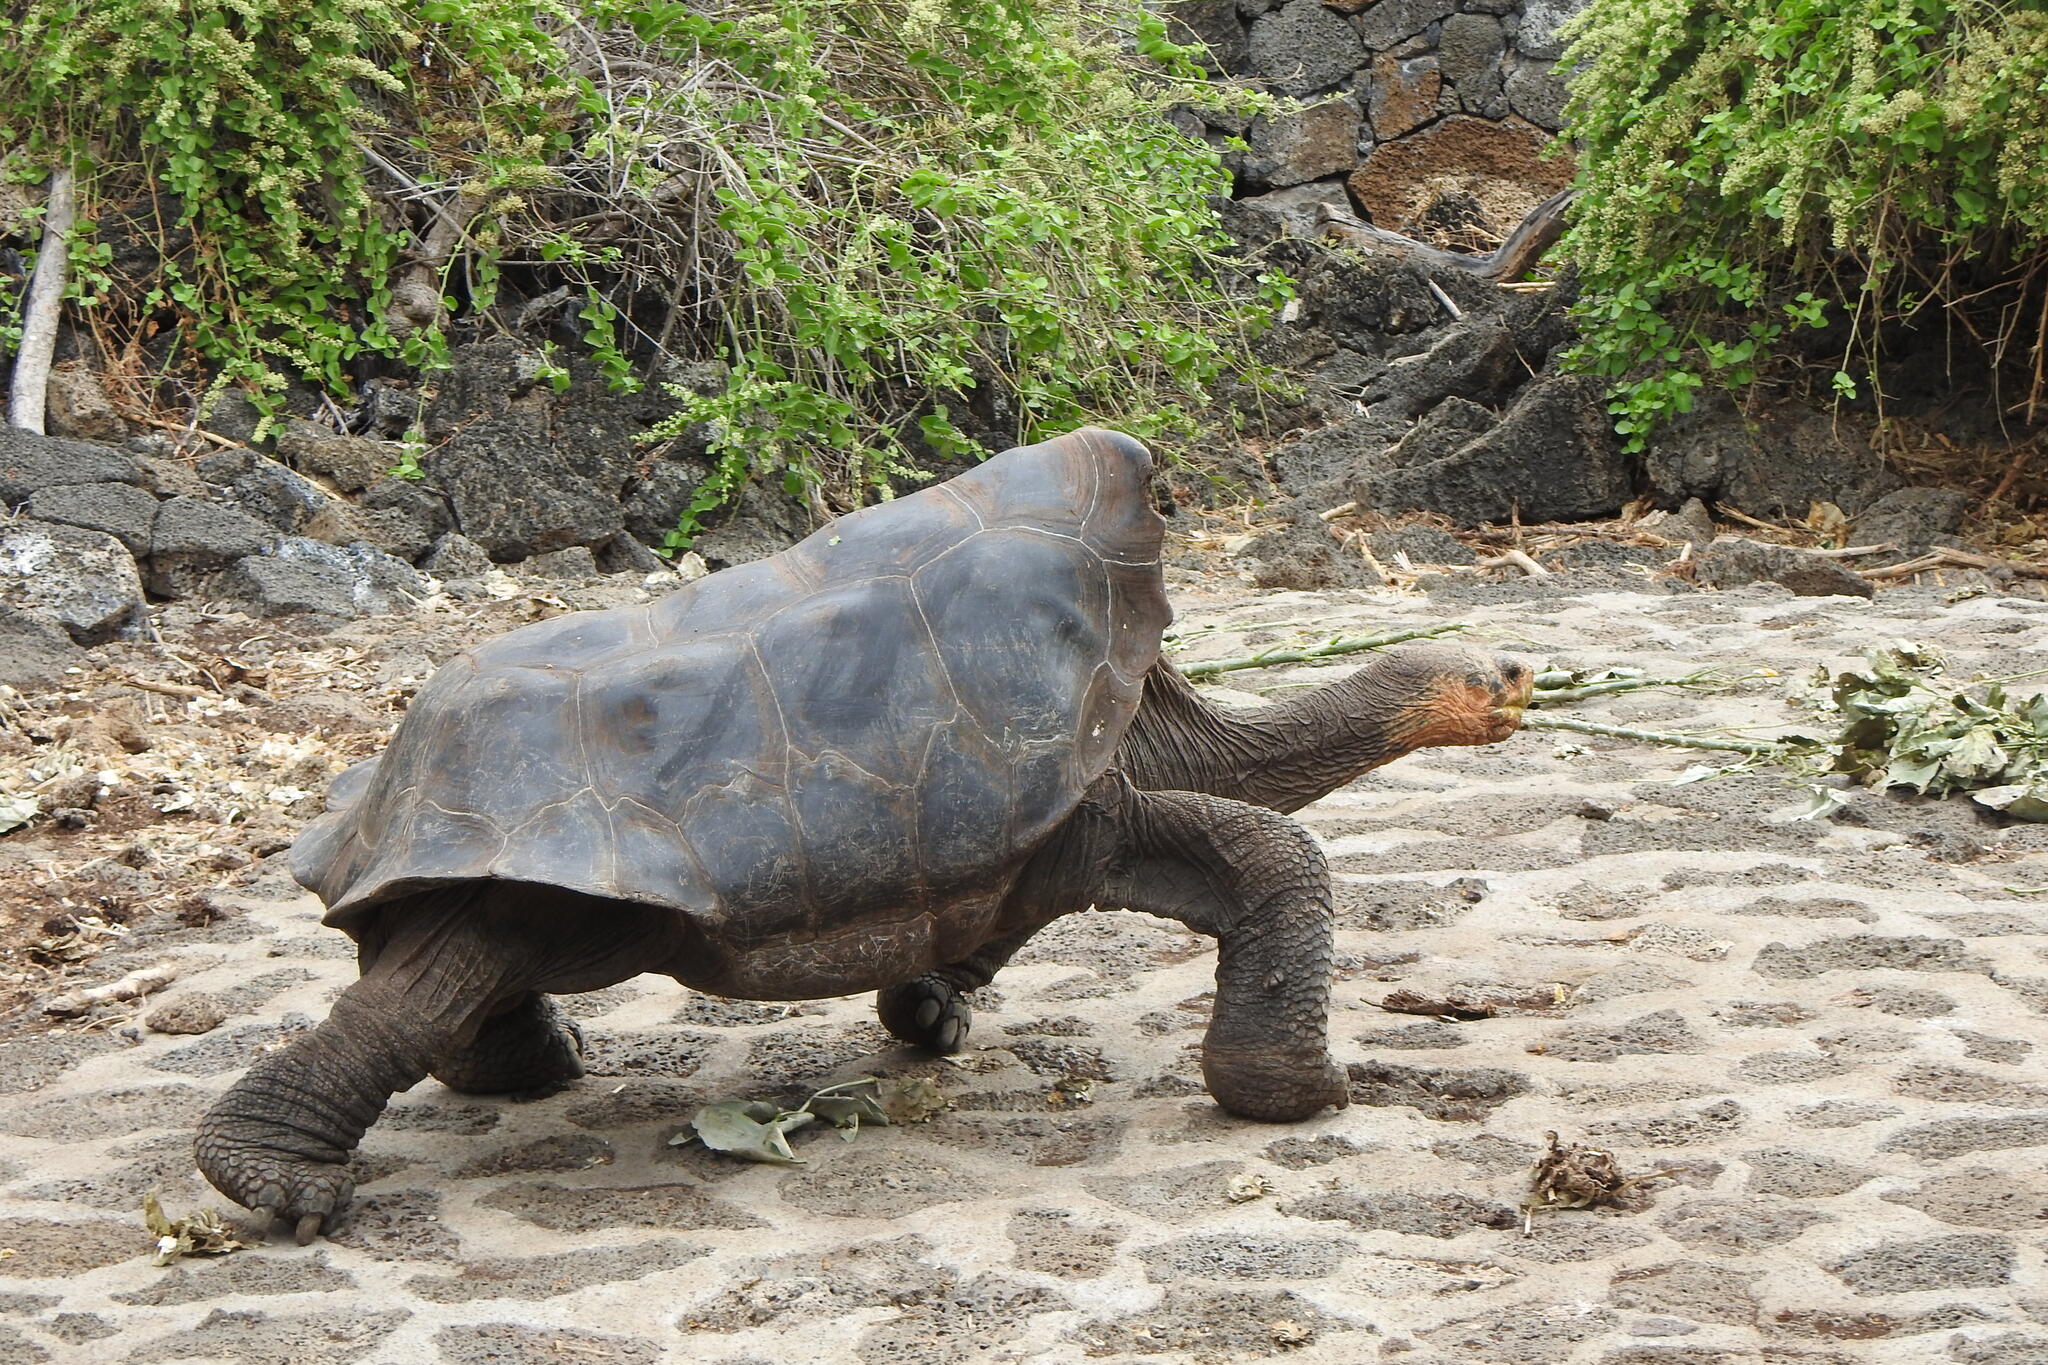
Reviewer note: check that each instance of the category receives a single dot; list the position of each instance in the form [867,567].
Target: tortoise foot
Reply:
[1275,1087]
[928,1012]
[279,1187]
[529,1052]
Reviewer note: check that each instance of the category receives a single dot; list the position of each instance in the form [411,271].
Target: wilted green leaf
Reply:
[2022,801]
[16,811]
[1826,801]
[752,1129]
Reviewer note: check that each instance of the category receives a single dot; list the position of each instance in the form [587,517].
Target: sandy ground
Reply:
[1826,1037]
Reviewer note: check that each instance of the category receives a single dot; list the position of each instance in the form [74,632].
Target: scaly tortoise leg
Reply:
[529,1050]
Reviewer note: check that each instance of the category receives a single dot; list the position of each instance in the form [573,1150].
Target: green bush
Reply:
[245,132]
[874,213]
[1754,167]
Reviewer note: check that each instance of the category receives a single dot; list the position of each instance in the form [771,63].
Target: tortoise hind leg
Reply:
[529,1049]
[436,968]
[932,1010]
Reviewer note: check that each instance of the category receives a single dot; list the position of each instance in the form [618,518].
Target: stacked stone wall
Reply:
[1429,117]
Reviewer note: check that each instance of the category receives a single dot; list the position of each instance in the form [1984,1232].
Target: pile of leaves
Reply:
[1904,724]
[202,1233]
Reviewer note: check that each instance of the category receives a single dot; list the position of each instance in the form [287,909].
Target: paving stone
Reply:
[1862,952]
[1983,1047]
[1791,1068]
[397,1225]
[1455,1093]
[1531,1334]
[1982,1197]
[872,1184]
[230,1051]
[2007,1348]
[260,1272]
[1055,1242]
[1210,1326]
[1906,1003]
[1296,1154]
[1575,1235]
[988,1311]
[1842,1113]
[46,1249]
[1763,1014]
[1665,1031]
[1238,1257]
[588,1208]
[545,1277]
[1171,1193]
[1800,1175]
[1426,1215]
[251,1337]
[492,1343]
[1958,1261]
[557,1152]
[75,1329]
[802,1288]
[1694,1290]
[1677,1128]
[1736,1226]
[1033,1139]
[1960,1085]
[1490,1153]
[1945,1138]
[34,1061]
[106,1113]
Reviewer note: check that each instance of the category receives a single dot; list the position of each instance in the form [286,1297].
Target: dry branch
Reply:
[45,303]
[133,986]
[1533,236]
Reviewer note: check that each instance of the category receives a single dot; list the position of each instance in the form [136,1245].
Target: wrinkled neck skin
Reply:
[1281,756]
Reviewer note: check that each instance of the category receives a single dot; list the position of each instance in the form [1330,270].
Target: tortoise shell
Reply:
[880,723]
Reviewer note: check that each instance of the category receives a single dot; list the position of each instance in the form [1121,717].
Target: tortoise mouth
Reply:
[1507,714]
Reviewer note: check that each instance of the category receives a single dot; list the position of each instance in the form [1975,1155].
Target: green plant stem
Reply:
[1273,658]
[1761,748]
[1558,696]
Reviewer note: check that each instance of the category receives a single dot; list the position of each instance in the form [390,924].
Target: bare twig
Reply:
[1533,236]
[1517,559]
[1942,555]
[133,986]
[45,303]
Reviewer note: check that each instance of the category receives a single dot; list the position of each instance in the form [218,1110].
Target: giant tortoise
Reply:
[880,760]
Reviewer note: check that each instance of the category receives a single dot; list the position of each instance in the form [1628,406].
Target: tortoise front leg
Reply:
[932,1010]
[1256,882]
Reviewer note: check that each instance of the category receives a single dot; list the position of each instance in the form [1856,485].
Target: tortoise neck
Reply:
[1281,756]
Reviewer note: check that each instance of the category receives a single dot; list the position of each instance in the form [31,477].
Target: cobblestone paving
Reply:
[1828,1034]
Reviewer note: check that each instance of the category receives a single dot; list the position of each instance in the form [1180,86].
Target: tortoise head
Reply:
[1450,695]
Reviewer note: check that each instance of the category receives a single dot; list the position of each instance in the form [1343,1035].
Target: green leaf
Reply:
[752,1129]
